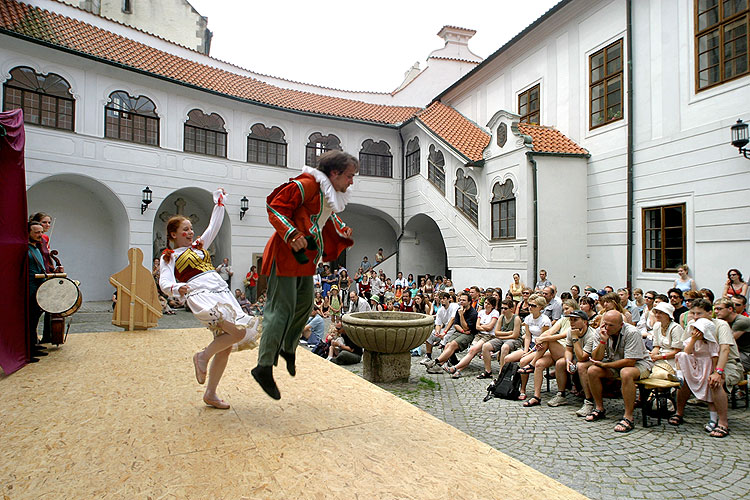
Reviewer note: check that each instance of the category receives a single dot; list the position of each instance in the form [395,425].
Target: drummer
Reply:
[44,247]
[36,266]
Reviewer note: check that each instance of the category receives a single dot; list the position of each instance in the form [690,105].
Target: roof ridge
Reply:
[81,37]
[228,63]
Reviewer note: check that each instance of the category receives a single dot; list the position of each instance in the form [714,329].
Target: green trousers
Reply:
[290,300]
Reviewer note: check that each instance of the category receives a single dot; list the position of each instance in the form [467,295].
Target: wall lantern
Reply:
[146,199]
[740,138]
[243,206]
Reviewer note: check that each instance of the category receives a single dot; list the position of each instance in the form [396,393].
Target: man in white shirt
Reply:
[554,305]
[443,317]
[400,280]
[376,285]
[357,304]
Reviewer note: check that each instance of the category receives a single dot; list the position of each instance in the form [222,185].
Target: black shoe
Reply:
[37,352]
[289,358]
[33,360]
[40,347]
[264,376]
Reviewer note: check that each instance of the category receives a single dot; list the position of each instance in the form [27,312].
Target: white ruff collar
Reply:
[336,199]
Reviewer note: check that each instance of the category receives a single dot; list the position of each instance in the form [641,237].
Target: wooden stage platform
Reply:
[120,415]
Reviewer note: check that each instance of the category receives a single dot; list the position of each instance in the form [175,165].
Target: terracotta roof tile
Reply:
[84,38]
[550,140]
[461,133]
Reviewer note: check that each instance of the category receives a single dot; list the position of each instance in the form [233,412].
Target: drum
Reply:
[59,296]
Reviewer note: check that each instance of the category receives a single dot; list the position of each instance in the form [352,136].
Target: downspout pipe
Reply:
[403,184]
[534,204]
[630,181]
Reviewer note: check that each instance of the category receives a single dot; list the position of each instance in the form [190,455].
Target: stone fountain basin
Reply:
[388,332]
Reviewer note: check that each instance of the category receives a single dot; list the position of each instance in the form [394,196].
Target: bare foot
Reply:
[200,367]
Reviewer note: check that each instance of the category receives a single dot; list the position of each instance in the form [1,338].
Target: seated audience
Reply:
[668,341]
[580,342]
[314,329]
[486,321]
[740,325]
[723,373]
[551,348]
[343,351]
[465,325]
[506,338]
[735,285]
[443,325]
[676,298]
[620,353]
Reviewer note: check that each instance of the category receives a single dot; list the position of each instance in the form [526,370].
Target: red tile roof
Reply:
[87,39]
[550,140]
[465,136]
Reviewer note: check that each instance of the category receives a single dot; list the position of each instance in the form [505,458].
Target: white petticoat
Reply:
[212,302]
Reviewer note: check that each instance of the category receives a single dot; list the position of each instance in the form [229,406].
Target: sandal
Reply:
[449,369]
[484,375]
[596,414]
[719,432]
[710,426]
[528,369]
[676,420]
[533,401]
[456,373]
[624,425]
[522,396]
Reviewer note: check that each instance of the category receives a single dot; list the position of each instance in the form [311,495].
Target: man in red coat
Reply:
[303,213]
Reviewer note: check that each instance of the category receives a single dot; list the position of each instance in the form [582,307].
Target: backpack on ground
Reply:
[507,385]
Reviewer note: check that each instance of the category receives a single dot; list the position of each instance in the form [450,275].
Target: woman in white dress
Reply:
[186,271]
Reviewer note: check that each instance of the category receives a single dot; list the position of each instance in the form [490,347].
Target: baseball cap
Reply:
[578,314]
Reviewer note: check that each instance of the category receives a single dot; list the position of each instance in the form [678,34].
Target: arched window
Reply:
[205,134]
[412,158]
[503,211]
[131,119]
[318,145]
[266,146]
[436,168]
[375,159]
[44,99]
[466,196]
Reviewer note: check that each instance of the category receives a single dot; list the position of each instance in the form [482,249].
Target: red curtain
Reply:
[14,239]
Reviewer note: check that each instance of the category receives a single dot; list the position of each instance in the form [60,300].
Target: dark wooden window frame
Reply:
[503,203]
[528,114]
[722,22]
[375,159]
[319,144]
[436,168]
[38,96]
[604,81]
[660,237]
[122,115]
[412,158]
[214,137]
[266,142]
[466,203]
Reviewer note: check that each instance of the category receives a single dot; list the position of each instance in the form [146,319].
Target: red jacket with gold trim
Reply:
[293,208]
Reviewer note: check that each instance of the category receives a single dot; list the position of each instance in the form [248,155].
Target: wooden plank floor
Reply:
[119,415]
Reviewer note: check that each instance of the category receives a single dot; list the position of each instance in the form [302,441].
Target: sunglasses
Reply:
[649,298]
[505,308]
[675,297]
[533,305]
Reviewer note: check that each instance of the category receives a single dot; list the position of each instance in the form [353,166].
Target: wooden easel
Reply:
[137,306]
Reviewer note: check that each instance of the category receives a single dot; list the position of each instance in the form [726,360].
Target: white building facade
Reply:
[453,184]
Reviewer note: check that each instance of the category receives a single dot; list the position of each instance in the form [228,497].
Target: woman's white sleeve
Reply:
[217,217]
[167,281]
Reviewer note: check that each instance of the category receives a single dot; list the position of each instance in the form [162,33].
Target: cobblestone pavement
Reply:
[662,461]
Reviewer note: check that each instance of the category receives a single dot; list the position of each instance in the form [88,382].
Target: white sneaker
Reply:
[430,363]
[558,400]
[588,407]
[424,360]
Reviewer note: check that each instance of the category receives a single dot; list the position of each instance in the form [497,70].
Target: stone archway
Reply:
[423,248]
[91,229]
[196,204]
[372,229]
